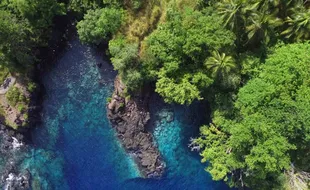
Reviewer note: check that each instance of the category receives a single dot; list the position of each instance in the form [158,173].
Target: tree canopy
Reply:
[248,59]
[99,24]
[179,48]
[270,129]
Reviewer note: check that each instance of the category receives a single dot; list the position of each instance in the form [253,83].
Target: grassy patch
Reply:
[21,107]
[141,23]
[4,72]
[14,96]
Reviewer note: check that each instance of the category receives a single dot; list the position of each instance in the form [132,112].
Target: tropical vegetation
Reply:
[248,59]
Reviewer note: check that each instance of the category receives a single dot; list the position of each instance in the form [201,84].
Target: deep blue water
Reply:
[76,148]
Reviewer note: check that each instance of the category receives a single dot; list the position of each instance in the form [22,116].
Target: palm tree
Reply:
[220,65]
[233,16]
[255,18]
[231,12]
[298,23]
[262,21]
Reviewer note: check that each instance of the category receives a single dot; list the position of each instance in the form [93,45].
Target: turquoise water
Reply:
[76,148]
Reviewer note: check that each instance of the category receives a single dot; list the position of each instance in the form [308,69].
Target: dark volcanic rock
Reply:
[129,118]
[11,149]
[17,182]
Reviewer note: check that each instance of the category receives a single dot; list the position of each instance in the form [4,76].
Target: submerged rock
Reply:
[129,117]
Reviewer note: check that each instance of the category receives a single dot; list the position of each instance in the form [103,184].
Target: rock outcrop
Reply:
[7,83]
[129,117]
[17,182]
[11,148]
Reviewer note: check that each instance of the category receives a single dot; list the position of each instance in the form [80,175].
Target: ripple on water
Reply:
[75,147]
[75,123]
[173,126]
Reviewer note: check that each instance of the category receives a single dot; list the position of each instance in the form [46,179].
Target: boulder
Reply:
[129,117]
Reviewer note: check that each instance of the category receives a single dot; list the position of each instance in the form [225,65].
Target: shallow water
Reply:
[76,148]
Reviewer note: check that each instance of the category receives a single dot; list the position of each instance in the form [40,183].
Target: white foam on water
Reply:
[9,181]
[16,144]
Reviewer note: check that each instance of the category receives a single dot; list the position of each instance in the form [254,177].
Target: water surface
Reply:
[76,148]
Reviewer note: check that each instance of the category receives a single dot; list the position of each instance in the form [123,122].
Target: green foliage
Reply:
[220,65]
[21,107]
[109,99]
[2,112]
[181,91]
[99,24]
[14,96]
[15,46]
[127,98]
[261,25]
[231,12]
[26,116]
[133,79]
[24,25]
[262,22]
[125,61]
[81,6]
[249,64]
[113,2]
[179,47]
[4,72]
[123,54]
[136,4]
[282,94]
[39,13]
[298,23]
[2,115]
[194,50]
[270,125]
[31,87]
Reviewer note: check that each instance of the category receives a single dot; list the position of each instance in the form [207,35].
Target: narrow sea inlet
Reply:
[76,148]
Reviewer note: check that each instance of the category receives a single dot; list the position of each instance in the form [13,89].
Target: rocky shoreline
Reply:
[14,142]
[129,117]
[11,147]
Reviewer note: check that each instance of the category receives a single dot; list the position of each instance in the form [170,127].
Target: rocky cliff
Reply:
[129,117]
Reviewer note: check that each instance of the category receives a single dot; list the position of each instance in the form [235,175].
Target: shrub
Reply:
[109,100]
[99,24]
[15,96]
[31,87]
[136,4]
[127,98]
[21,107]
[125,61]
[4,72]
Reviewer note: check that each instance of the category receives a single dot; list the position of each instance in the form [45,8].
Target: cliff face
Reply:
[129,118]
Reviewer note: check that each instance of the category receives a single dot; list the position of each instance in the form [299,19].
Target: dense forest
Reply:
[248,59]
